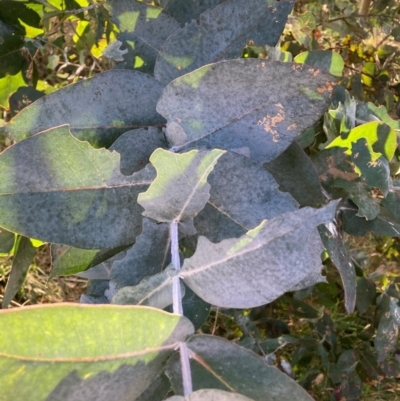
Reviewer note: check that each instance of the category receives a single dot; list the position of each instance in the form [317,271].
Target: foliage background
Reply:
[308,329]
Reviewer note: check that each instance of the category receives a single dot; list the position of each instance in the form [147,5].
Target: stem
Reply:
[176,285]
[186,373]
[177,308]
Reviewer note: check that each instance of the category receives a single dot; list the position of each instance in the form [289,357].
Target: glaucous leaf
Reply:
[366,294]
[23,97]
[143,29]
[157,391]
[113,352]
[386,336]
[7,240]
[242,195]
[258,267]
[221,34]
[325,59]
[219,364]
[155,291]
[149,255]
[295,173]
[213,107]
[395,310]
[114,102]
[76,194]
[185,11]
[67,260]
[369,112]
[333,242]
[210,395]
[360,194]
[180,189]
[136,147]
[23,254]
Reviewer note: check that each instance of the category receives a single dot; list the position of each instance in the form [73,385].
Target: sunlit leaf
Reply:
[112,351]
[260,266]
[325,59]
[285,99]
[221,34]
[76,193]
[180,189]
[115,101]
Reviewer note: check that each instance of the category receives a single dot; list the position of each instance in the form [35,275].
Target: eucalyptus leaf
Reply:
[157,391]
[210,395]
[115,101]
[67,260]
[59,364]
[325,59]
[386,336]
[23,255]
[369,112]
[180,189]
[285,99]
[149,255]
[155,291]
[395,310]
[242,195]
[84,200]
[185,11]
[219,364]
[221,34]
[259,266]
[295,173]
[366,294]
[7,240]
[136,147]
[333,242]
[143,29]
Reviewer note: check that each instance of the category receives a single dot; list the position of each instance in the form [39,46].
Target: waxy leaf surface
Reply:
[260,266]
[143,29]
[325,59]
[113,352]
[242,195]
[334,244]
[149,255]
[180,189]
[73,195]
[386,336]
[212,106]
[219,364]
[185,11]
[97,110]
[221,34]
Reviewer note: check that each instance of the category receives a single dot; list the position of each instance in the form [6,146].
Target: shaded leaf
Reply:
[155,291]
[325,59]
[7,240]
[210,395]
[84,200]
[295,173]
[373,167]
[366,294]
[185,11]
[333,242]
[136,147]
[219,364]
[114,52]
[180,189]
[380,136]
[115,101]
[360,194]
[23,255]
[157,391]
[142,30]
[149,255]
[24,96]
[67,260]
[259,266]
[212,106]
[369,112]
[221,34]
[242,195]
[66,364]
[386,336]
[9,84]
